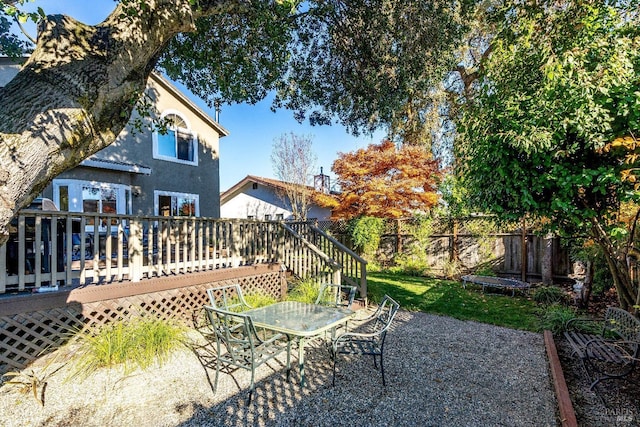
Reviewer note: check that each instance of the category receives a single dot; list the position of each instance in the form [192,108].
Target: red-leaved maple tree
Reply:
[386,181]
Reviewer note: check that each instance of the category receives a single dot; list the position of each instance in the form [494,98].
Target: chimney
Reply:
[322,183]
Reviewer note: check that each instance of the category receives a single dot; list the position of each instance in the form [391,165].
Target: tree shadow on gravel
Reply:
[274,396]
[440,372]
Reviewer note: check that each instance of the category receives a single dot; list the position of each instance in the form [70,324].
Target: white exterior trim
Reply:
[101,164]
[154,137]
[123,204]
[158,193]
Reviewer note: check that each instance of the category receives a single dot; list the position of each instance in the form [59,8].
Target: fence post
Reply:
[235,242]
[363,283]
[453,240]
[523,263]
[3,268]
[21,252]
[283,281]
[68,250]
[337,276]
[135,250]
[547,256]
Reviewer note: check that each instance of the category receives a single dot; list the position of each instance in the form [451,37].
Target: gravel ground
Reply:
[440,372]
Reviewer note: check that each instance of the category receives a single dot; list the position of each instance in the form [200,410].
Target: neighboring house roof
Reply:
[269,182]
[250,179]
[255,197]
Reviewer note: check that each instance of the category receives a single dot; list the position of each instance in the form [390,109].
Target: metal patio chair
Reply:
[238,346]
[228,297]
[335,295]
[370,340]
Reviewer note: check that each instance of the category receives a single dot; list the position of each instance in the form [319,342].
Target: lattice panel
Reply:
[271,284]
[25,336]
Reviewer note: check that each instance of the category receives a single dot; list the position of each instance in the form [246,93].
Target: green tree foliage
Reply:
[364,64]
[10,44]
[560,85]
[365,232]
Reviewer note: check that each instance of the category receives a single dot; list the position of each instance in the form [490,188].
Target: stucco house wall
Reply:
[258,198]
[136,146]
[134,169]
[257,204]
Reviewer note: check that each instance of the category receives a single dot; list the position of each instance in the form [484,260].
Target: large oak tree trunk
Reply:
[76,93]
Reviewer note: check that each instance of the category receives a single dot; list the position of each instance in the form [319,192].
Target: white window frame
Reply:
[158,193]
[154,137]
[75,186]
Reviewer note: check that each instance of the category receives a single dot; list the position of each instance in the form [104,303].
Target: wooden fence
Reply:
[150,265]
[455,247]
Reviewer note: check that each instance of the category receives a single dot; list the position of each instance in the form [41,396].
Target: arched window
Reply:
[179,143]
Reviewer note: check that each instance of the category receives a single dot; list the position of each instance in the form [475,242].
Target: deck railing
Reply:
[353,267]
[50,248]
[307,261]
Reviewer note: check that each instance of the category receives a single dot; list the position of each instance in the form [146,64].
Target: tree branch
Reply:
[76,93]
[22,29]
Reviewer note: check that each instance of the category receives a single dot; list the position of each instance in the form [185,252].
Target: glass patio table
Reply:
[300,320]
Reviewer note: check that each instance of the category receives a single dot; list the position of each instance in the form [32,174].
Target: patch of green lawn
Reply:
[449,298]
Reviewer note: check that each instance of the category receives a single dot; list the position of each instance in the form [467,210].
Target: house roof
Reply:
[95,162]
[250,179]
[167,85]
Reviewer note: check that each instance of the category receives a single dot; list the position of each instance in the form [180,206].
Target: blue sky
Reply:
[253,128]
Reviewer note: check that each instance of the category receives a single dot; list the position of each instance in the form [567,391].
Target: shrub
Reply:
[414,261]
[365,234]
[304,291]
[602,278]
[555,317]
[411,265]
[548,295]
[374,266]
[451,269]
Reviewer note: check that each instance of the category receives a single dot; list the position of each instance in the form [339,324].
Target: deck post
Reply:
[135,250]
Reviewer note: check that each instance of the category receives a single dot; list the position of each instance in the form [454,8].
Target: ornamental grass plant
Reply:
[138,343]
